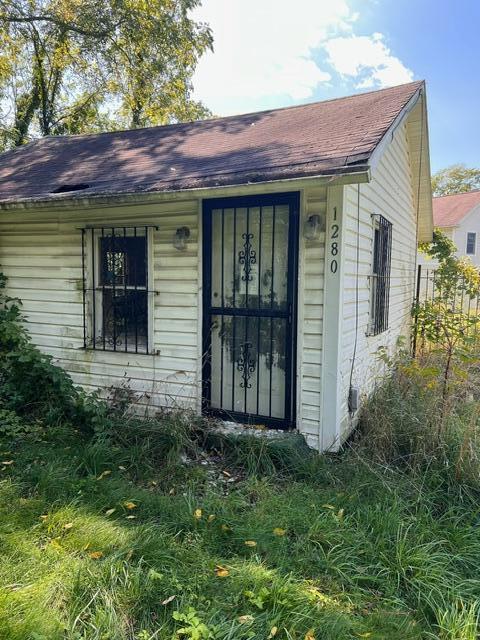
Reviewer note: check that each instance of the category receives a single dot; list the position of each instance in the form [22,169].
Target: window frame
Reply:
[93,287]
[380,275]
[474,252]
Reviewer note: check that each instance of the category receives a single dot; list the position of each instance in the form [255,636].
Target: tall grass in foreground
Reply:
[114,537]
[411,423]
[113,528]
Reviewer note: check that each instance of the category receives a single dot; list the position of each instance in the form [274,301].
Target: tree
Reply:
[446,318]
[455,179]
[75,66]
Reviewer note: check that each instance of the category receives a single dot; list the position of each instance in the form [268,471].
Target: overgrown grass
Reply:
[409,422]
[114,528]
[106,541]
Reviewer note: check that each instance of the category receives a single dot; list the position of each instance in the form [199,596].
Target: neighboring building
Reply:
[458,216]
[249,267]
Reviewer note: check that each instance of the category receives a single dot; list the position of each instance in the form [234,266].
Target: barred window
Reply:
[116,293]
[380,276]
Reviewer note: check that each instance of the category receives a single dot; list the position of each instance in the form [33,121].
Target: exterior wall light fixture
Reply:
[312,227]
[180,238]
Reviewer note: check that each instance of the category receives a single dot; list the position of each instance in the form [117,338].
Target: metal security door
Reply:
[249,322]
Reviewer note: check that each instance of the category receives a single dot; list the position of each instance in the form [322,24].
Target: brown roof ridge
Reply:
[76,136]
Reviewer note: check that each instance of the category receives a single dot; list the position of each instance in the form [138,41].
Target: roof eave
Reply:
[348,174]
[423,207]
[389,134]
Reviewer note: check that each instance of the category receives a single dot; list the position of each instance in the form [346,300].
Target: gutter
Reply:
[346,175]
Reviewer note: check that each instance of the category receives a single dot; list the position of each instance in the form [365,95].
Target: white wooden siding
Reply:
[470,224]
[41,255]
[40,252]
[390,194]
[311,272]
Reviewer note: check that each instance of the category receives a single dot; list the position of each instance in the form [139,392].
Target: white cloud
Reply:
[270,53]
[263,49]
[366,59]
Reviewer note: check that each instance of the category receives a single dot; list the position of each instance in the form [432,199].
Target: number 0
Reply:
[333,266]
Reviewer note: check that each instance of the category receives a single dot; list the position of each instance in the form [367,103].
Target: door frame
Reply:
[293,200]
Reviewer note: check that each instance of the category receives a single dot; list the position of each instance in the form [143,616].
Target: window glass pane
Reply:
[471,242]
[248,365]
[280,257]
[376,245]
[249,254]
[124,320]
[123,261]
[380,278]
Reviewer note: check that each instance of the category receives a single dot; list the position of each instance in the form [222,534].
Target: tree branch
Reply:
[59,23]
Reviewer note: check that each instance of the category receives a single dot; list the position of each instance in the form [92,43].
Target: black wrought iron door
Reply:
[250,266]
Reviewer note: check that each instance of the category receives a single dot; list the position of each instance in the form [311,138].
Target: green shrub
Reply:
[11,425]
[30,384]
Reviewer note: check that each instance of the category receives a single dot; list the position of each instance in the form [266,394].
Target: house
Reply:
[249,267]
[458,216]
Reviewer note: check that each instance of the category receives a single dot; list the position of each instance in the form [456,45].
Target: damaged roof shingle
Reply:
[314,139]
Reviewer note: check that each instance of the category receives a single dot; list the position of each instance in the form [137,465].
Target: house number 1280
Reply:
[334,231]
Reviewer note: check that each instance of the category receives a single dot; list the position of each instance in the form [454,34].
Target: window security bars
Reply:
[116,293]
[380,277]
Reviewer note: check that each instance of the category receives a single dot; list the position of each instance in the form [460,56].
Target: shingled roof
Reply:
[449,211]
[323,138]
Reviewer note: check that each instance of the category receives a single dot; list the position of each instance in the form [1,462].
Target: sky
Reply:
[276,53]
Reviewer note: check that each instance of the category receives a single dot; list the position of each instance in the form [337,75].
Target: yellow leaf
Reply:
[273,632]
[7,462]
[95,555]
[130,505]
[44,517]
[340,514]
[245,619]
[211,517]
[250,543]
[121,468]
[365,635]
[328,506]
[221,572]
[309,635]
[104,474]
[68,526]
[131,517]
[225,527]
[197,514]
[279,532]
[168,600]
[109,512]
